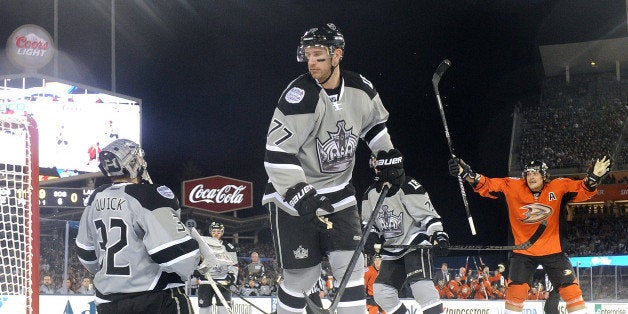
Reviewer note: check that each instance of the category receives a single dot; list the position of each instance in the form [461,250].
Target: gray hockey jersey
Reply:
[407,217]
[131,238]
[313,138]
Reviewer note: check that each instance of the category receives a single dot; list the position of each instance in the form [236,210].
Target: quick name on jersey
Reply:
[110,203]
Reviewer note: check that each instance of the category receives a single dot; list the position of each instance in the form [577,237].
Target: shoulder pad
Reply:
[153,196]
[358,81]
[301,96]
[412,186]
[96,191]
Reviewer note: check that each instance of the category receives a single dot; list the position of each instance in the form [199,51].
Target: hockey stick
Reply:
[243,299]
[440,71]
[207,253]
[354,258]
[523,246]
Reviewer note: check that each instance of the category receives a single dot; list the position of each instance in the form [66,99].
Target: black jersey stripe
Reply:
[174,251]
[290,300]
[167,278]
[354,80]
[274,157]
[150,198]
[353,294]
[374,131]
[86,255]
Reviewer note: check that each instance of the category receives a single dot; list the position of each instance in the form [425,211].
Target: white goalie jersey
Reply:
[223,259]
[407,217]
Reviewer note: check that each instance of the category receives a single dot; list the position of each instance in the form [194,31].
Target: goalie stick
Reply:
[208,254]
[523,246]
[440,71]
[354,258]
[243,299]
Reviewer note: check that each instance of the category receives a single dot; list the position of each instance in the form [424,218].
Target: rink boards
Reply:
[61,304]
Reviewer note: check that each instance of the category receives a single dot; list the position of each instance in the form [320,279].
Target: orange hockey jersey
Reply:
[526,213]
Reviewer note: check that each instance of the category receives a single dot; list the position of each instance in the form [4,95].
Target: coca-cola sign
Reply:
[217,194]
[30,47]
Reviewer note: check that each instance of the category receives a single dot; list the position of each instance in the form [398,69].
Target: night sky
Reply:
[209,74]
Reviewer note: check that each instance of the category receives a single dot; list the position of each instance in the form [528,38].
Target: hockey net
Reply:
[19,220]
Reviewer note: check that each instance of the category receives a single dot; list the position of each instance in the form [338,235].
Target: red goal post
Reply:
[19,214]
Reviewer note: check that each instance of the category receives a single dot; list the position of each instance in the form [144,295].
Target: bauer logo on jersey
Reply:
[165,192]
[533,213]
[295,95]
[391,224]
[336,154]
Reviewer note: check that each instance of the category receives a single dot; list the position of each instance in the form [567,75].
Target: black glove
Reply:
[228,281]
[457,167]
[306,201]
[440,241]
[371,241]
[389,168]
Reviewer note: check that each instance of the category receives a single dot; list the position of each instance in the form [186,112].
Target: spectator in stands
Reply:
[86,286]
[255,268]
[66,288]
[443,274]
[251,289]
[266,287]
[443,290]
[46,286]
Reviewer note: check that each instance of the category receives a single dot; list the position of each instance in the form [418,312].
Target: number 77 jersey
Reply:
[131,238]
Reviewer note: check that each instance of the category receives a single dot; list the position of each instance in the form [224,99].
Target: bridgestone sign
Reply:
[217,194]
[30,47]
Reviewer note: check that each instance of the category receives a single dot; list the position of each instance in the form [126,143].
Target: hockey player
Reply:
[533,200]
[310,154]
[405,218]
[131,238]
[224,273]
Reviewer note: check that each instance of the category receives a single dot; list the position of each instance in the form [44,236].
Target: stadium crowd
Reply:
[574,122]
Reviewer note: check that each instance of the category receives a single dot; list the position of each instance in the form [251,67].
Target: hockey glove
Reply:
[440,241]
[373,244]
[595,176]
[389,166]
[457,167]
[306,201]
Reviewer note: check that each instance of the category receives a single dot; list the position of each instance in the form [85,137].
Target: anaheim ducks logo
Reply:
[535,213]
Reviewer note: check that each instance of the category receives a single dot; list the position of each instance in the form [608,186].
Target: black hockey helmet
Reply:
[327,36]
[536,166]
[217,226]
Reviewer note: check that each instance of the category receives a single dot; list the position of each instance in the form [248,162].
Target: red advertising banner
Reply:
[217,194]
[610,192]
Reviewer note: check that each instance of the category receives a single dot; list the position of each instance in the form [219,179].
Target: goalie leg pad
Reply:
[573,297]
[516,294]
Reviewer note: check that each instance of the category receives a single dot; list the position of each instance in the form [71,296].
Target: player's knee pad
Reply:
[339,262]
[425,293]
[516,294]
[572,294]
[300,280]
[387,297]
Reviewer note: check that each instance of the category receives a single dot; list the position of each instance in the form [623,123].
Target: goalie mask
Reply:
[536,166]
[327,36]
[124,158]
[216,226]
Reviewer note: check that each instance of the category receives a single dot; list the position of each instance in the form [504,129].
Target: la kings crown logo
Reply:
[336,154]
[391,223]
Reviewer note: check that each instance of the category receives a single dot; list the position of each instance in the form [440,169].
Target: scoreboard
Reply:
[55,197]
